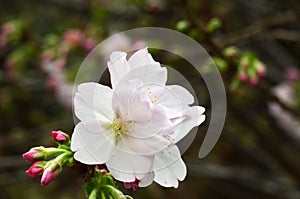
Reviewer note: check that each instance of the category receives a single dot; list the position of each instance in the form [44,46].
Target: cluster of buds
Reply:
[102,186]
[77,38]
[55,55]
[48,162]
[249,68]
[12,31]
[16,61]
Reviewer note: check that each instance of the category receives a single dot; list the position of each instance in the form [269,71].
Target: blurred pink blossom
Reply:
[6,30]
[89,44]
[121,42]
[292,74]
[73,37]
[51,83]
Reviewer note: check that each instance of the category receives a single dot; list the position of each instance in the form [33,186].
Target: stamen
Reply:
[120,126]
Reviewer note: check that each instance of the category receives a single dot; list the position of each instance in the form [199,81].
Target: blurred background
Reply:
[255,45]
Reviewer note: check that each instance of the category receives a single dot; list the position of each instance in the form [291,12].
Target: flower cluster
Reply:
[249,69]
[134,126]
[48,162]
[56,53]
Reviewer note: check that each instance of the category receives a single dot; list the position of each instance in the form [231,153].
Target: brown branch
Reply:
[257,27]
[288,35]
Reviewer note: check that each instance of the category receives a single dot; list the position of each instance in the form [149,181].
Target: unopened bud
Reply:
[33,155]
[253,76]
[235,85]
[213,25]
[49,175]
[35,169]
[221,64]
[231,52]
[242,76]
[260,68]
[182,25]
[244,62]
[60,136]
[253,81]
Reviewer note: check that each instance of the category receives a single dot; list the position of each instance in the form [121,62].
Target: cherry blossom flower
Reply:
[133,127]
[172,100]
[73,37]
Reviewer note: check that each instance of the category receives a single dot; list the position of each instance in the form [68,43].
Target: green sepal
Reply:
[93,194]
[105,186]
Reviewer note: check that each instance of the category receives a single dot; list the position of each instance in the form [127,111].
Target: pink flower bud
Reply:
[58,136]
[253,81]
[134,185]
[261,71]
[103,171]
[30,156]
[48,176]
[34,170]
[242,77]
[260,68]
[89,44]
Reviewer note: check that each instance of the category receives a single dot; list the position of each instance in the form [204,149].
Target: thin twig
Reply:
[257,27]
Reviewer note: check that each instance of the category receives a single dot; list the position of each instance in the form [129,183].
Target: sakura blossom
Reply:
[133,127]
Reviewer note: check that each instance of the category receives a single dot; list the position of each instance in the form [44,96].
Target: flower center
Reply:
[120,126]
[153,98]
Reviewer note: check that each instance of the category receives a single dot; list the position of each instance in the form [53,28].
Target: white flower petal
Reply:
[147,179]
[127,102]
[127,166]
[92,101]
[166,178]
[141,58]
[118,67]
[176,98]
[148,139]
[92,148]
[148,129]
[169,167]
[85,157]
[149,74]
[148,146]
[193,117]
